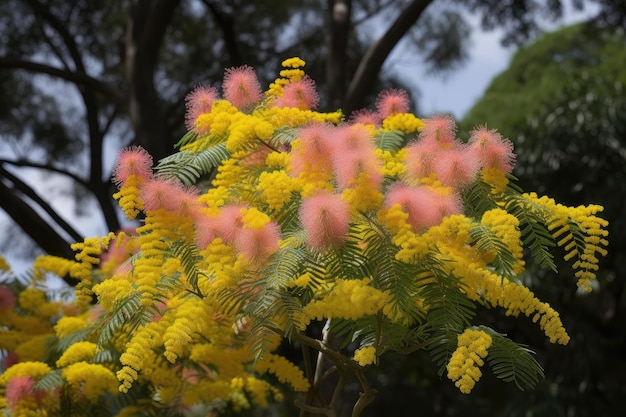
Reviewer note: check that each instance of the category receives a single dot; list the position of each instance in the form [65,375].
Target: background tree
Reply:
[83,78]
[562,104]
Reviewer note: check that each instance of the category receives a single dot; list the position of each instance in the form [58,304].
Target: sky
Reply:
[457,92]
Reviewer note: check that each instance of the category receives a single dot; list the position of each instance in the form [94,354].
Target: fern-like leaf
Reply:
[188,166]
[390,140]
[189,256]
[512,362]
[449,312]
[50,382]
[397,278]
[535,235]
[127,311]
[487,241]
[283,136]
[188,137]
[476,199]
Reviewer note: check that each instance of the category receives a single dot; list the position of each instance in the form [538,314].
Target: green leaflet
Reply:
[391,140]
[188,166]
[512,362]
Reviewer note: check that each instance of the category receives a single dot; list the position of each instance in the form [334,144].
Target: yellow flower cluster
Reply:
[412,246]
[393,163]
[362,195]
[4,266]
[496,178]
[405,122]
[245,129]
[292,72]
[276,188]
[78,352]
[54,264]
[348,299]
[111,290]
[285,371]
[70,324]
[128,196]
[465,362]
[88,255]
[294,117]
[562,222]
[137,352]
[506,227]
[33,369]
[90,379]
[365,355]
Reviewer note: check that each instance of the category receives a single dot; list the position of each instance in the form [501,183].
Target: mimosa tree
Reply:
[385,231]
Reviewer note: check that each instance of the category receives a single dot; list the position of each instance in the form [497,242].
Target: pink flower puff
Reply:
[355,153]
[325,218]
[20,387]
[316,148]
[300,94]
[171,196]
[241,87]
[256,245]
[425,206]
[440,128]
[392,101]
[491,149]
[225,225]
[134,160]
[7,299]
[456,166]
[199,101]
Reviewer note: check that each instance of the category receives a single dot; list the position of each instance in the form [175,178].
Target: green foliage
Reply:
[512,362]
[188,166]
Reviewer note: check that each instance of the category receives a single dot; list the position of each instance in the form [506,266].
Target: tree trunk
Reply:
[338,26]
[147,25]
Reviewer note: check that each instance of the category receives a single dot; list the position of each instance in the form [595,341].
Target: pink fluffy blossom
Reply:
[199,101]
[256,245]
[419,158]
[225,225]
[365,117]
[241,87]
[325,218]
[392,101]
[132,161]
[349,166]
[169,195]
[491,149]
[455,167]
[440,128]
[424,205]
[355,153]
[300,94]
[7,298]
[21,387]
[316,148]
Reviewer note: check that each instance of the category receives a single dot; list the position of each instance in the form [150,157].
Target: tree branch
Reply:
[116,96]
[29,164]
[226,22]
[35,226]
[25,189]
[373,60]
